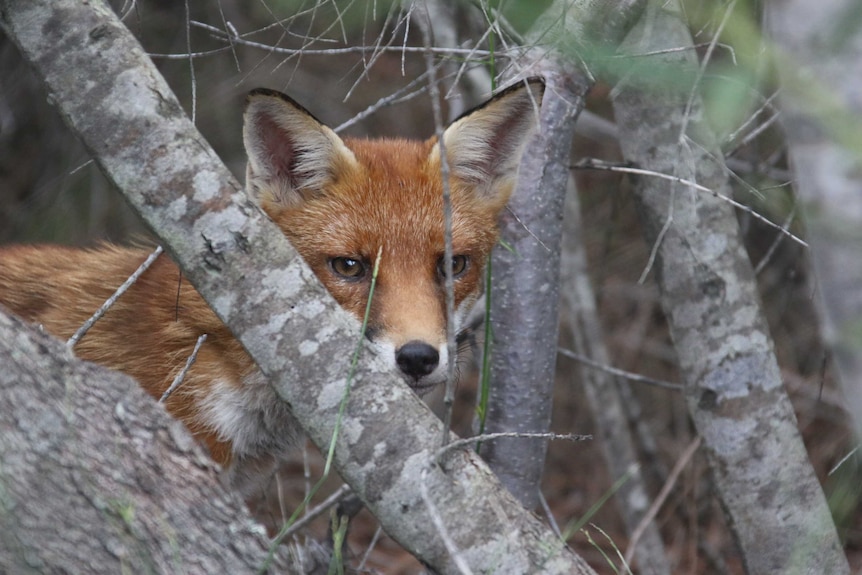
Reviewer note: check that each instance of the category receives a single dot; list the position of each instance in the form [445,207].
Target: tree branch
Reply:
[525,304]
[733,386]
[97,478]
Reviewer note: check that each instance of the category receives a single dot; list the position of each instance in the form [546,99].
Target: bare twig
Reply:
[695,87]
[311,514]
[178,380]
[620,372]
[549,515]
[449,399]
[843,460]
[400,95]
[76,337]
[727,47]
[662,496]
[653,253]
[222,35]
[458,443]
[761,265]
[768,103]
[371,544]
[592,164]
[192,79]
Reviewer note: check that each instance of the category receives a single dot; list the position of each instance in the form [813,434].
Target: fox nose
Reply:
[417,358]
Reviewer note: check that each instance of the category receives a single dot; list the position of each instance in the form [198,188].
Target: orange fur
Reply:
[332,199]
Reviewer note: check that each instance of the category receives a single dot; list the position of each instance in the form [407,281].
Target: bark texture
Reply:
[526,274]
[733,386]
[97,478]
[580,323]
[821,53]
[112,96]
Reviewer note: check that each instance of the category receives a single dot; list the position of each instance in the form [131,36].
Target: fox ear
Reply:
[484,145]
[291,155]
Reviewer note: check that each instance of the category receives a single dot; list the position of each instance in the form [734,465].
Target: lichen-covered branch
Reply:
[732,383]
[525,304]
[97,478]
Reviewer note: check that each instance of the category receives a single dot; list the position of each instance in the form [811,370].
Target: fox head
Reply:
[341,202]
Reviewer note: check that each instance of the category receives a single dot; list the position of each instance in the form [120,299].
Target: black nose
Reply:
[417,358]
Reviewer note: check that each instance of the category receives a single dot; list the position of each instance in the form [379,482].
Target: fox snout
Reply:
[421,361]
[416,359]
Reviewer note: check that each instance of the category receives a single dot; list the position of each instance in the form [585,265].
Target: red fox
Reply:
[338,202]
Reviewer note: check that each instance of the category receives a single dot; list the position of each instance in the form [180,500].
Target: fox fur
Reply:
[338,201]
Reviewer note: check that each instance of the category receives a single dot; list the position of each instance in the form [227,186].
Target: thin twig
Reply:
[649,516]
[178,380]
[376,53]
[192,79]
[400,95]
[701,70]
[527,229]
[222,35]
[591,164]
[842,461]
[653,254]
[620,372]
[468,441]
[315,512]
[759,129]
[760,168]
[546,509]
[72,341]
[719,161]
[761,265]
[231,32]
[371,544]
[727,47]
[451,347]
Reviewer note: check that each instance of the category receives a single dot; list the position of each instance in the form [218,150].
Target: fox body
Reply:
[340,203]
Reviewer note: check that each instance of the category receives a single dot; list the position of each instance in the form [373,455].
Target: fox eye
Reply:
[348,268]
[459,266]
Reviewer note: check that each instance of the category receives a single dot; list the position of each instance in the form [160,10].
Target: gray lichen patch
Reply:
[127,100]
[265,340]
[223,304]
[220,228]
[177,209]
[308,347]
[207,185]
[740,376]
[287,281]
[729,437]
[330,394]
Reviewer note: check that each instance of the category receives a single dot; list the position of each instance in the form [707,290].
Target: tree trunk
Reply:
[823,134]
[526,272]
[97,478]
[733,386]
